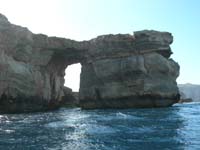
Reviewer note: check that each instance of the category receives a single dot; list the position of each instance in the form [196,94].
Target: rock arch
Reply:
[118,71]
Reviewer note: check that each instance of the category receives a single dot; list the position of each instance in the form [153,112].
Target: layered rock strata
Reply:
[118,71]
[125,71]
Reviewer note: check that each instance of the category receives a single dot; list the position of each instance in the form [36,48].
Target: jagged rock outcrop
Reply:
[70,98]
[118,71]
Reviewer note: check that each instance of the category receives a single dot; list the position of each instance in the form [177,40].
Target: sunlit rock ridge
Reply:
[118,71]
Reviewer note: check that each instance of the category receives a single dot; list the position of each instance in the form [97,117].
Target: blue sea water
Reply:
[173,128]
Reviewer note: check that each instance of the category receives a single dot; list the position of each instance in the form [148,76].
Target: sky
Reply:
[86,19]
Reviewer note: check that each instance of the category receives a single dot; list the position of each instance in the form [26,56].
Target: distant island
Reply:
[118,71]
[190,91]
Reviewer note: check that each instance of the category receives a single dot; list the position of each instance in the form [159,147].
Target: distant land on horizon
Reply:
[190,90]
[188,84]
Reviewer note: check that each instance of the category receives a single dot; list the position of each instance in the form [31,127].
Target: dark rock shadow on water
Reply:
[76,129]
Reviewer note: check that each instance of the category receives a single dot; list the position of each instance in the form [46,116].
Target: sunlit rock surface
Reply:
[118,71]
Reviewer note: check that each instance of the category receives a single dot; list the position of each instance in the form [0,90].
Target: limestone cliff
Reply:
[32,68]
[118,71]
[124,71]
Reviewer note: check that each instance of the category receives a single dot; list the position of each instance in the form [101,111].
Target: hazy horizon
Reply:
[86,19]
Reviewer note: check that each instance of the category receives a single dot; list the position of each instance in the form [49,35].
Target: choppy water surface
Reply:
[177,127]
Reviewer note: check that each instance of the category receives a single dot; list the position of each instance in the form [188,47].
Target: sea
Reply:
[172,128]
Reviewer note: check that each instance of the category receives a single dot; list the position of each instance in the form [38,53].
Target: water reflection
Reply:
[75,129]
[139,128]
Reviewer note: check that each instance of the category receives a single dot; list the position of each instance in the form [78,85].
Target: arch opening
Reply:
[72,77]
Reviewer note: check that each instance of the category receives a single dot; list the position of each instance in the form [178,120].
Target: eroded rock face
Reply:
[118,71]
[32,68]
[126,71]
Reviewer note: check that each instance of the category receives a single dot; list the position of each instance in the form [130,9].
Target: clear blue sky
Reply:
[85,19]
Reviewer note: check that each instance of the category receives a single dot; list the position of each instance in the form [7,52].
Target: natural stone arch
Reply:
[118,71]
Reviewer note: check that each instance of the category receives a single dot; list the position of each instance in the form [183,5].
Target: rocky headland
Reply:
[118,71]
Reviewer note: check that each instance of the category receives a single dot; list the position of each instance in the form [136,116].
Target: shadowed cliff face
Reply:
[117,70]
